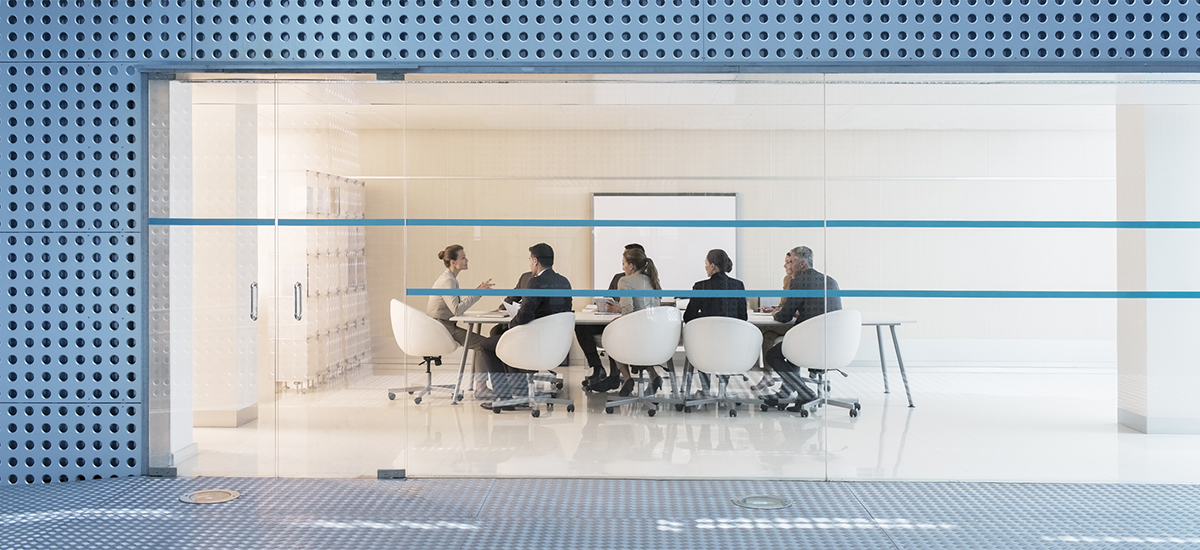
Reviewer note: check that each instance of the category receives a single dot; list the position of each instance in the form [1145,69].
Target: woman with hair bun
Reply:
[442,308]
[717,265]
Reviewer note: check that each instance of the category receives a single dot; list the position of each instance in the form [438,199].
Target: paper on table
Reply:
[512,309]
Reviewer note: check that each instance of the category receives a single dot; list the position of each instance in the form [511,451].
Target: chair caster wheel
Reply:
[737,404]
[652,412]
[608,410]
[496,410]
[410,393]
[549,406]
[803,413]
[458,397]
[570,408]
[678,407]
[687,409]
[536,413]
[391,396]
[417,401]
[558,385]
[857,407]
[732,413]
[853,413]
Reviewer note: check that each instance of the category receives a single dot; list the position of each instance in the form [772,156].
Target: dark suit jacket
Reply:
[523,282]
[534,307]
[722,307]
[809,307]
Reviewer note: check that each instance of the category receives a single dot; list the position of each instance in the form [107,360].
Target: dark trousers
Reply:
[586,335]
[506,381]
[789,373]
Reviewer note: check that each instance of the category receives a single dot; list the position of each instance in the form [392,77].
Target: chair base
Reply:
[429,387]
[721,399]
[535,399]
[673,397]
[820,378]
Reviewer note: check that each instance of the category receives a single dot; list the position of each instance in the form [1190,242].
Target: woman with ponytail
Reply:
[640,274]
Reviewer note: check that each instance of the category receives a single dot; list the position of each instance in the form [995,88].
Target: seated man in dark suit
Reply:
[522,282]
[798,263]
[541,260]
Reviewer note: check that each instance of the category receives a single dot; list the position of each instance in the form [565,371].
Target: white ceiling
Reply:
[705,102]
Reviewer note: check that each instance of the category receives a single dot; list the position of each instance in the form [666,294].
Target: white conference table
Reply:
[476,319]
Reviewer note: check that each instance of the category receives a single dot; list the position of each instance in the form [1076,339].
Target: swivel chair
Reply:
[821,344]
[645,337]
[539,345]
[723,346]
[421,335]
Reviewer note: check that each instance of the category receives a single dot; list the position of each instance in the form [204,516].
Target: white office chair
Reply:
[539,345]
[645,337]
[421,335]
[821,344]
[723,346]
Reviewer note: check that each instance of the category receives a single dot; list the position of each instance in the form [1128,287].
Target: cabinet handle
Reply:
[254,301]
[298,308]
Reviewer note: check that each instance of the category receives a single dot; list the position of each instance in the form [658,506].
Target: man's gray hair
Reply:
[803,253]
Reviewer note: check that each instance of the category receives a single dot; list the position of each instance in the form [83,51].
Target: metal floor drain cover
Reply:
[762,502]
[210,496]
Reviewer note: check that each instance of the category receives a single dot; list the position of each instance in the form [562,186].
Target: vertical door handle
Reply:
[254,301]
[298,307]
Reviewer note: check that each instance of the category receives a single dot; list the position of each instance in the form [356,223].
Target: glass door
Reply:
[212,239]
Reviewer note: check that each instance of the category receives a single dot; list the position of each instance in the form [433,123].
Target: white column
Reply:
[1158,356]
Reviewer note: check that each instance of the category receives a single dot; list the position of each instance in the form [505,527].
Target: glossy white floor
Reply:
[1011,425]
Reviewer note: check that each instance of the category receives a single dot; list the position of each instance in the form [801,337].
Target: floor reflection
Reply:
[1003,425]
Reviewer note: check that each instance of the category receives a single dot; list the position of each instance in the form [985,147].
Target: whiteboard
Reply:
[678,252]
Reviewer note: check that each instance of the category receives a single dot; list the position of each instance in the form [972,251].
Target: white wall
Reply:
[951,175]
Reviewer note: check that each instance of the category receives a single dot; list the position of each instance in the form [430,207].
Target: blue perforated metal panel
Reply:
[72,147]
[73,279]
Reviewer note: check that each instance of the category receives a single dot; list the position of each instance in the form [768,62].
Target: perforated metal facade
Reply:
[74,182]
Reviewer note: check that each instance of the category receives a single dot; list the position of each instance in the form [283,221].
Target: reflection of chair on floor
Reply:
[421,335]
[539,345]
[645,337]
[723,346]
[821,344]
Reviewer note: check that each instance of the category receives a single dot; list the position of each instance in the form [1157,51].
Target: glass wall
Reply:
[1009,241]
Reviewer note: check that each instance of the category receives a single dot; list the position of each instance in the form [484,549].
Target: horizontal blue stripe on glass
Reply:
[451,222]
[1092,294]
[206,222]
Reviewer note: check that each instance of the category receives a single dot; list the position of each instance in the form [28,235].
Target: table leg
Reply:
[900,360]
[462,365]
[882,361]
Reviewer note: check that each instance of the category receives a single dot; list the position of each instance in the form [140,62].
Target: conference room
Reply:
[973,224]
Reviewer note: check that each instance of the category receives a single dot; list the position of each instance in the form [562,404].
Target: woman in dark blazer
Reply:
[717,264]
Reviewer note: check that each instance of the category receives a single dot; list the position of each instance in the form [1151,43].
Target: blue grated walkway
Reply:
[534,514]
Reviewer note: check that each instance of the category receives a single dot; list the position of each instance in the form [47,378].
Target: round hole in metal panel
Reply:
[210,496]
[762,502]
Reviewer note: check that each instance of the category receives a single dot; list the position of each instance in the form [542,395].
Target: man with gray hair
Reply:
[796,309]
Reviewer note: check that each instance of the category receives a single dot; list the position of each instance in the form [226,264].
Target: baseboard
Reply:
[186,453]
[1158,425]
[224,418]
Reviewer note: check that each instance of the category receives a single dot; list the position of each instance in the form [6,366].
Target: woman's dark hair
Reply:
[450,254]
[636,257]
[720,259]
